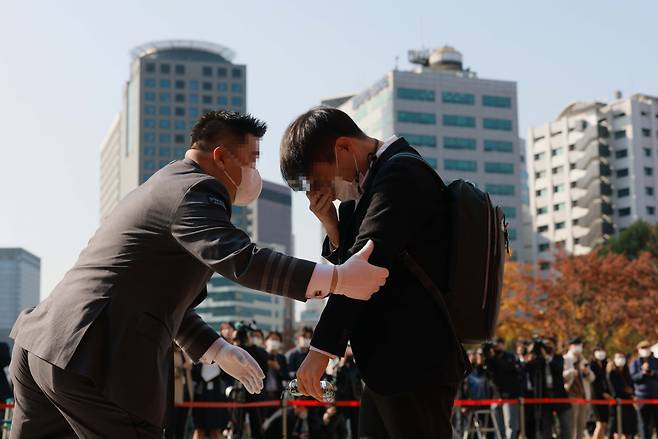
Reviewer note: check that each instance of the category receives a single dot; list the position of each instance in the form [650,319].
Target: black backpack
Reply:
[478,247]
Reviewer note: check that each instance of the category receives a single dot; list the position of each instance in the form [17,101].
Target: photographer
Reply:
[277,366]
[506,373]
[349,387]
[297,355]
[578,378]
[545,380]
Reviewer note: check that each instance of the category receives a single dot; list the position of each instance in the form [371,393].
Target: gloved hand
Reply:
[359,279]
[240,365]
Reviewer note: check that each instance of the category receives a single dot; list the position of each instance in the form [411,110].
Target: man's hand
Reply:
[240,365]
[309,374]
[359,279]
[322,206]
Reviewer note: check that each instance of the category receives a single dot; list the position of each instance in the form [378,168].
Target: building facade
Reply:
[20,284]
[464,126]
[592,173]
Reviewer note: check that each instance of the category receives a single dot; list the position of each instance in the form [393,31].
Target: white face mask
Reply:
[348,190]
[257,341]
[577,349]
[599,355]
[620,361]
[250,186]
[644,353]
[305,342]
[272,345]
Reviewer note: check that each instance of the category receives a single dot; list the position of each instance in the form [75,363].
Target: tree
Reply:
[639,237]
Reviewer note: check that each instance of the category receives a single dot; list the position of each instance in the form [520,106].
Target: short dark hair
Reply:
[311,137]
[216,126]
[304,330]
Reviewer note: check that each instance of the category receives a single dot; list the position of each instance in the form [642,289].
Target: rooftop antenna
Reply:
[397,58]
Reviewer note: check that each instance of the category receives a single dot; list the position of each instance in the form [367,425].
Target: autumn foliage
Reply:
[607,299]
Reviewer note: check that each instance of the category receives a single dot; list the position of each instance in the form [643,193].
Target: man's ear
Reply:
[218,156]
[343,143]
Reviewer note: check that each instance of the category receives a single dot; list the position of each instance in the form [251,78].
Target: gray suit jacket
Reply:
[114,315]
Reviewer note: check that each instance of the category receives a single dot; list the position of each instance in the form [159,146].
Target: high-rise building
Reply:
[171,84]
[20,281]
[465,127]
[592,172]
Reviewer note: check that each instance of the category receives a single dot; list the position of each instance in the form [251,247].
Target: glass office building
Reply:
[20,283]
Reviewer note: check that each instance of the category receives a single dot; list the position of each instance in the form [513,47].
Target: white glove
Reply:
[240,365]
[359,279]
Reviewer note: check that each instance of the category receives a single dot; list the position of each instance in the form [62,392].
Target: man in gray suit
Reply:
[94,358]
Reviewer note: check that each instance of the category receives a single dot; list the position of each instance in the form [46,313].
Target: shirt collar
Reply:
[388,142]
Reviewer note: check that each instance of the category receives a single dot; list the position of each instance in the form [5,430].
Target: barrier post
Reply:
[620,424]
[522,434]
[284,415]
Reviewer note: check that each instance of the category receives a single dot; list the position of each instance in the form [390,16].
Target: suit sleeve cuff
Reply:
[320,282]
[209,356]
[329,252]
[332,356]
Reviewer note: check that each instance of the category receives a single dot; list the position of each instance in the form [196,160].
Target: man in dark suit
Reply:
[95,357]
[397,203]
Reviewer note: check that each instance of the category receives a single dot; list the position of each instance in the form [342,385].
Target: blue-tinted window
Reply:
[165,124]
[165,97]
[511,234]
[149,109]
[500,189]
[163,163]
[450,97]
[416,117]
[460,165]
[149,96]
[194,112]
[510,212]
[453,120]
[499,168]
[149,164]
[432,162]
[221,72]
[222,86]
[194,99]
[149,123]
[180,69]
[497,101]
[165,111]
[236,101]
[149,151]
[178,152]
[420,139]
[416,94]
[497,124]
[165,83]
[459,143]
[149,136]
[194,85]
[498,146]
[207,71]
[222,100]
[236,87]
[179,124]
[164,151]
[149,83]
[206,99]
[165,137]
[179,111]
[236,73]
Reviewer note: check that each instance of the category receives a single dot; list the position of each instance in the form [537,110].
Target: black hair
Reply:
[310,138]
[215,126]
[304,330]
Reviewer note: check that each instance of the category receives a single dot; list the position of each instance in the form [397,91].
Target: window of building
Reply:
[538,138]
[149,96]
[559,207]
[179,152]
[165,68]
[149,67]
[179,97]
[559,225]
[179,138]
[149,82]
[206,99]
[460,165]
[221,72]
[149,164]
[236,101]
[648,171]
[165,137]
[624,211]
[165,124]
[149,136]
[207,86]
[498,146]
[193,112]
[416,117]
[624,192]
[511,234]
[557,169]
[573,184]
[452,120]
[648,190]
[540,174]
[543,246]
[194,99]
[149,123]
[222,100]
[497,124]
[510,212]
[647,152]
[556,151]
[500,189]
[420,139]
[651,210]
[236,87]
[541,192]
[450,97]
[222,87]
[556,133]
[646,132]
[206,110]
[572,147]
[542,210]
[149,151]
[165,111]
[165,97]
[179,124]
[574,222]
[542,229]
[206,71]
[498,168]
[622,173]
[194,85]
[621,153]
[236,73]
[497,101]
[432,162]
[572,166]
[459,143]
[164,151]
[540,155]
[179,84]
[163,163]
[621,134]
[558,188]
[416,94]
[179,69]
[179,111]
[165,83]
[149,109]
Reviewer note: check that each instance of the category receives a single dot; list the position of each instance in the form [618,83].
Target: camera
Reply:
[538,346]
[243,329]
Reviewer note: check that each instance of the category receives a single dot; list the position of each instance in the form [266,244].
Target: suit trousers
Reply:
[55,403]
[423,414]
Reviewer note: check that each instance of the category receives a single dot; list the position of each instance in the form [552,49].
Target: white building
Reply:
[592,172]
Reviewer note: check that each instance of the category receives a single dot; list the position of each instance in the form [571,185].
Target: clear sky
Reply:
[63,64]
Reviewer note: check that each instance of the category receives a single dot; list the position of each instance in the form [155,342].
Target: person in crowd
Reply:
[227,331]
[334,424]
[577,380]
[621,386]
[297,355]
[209,387]
[544,370]
[277,366]
[507,376]
[349,387]
[183,391]
[5,359]
[600,390]
[644,372]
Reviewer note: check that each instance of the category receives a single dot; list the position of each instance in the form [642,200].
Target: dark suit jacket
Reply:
[114,315]
[399,331]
